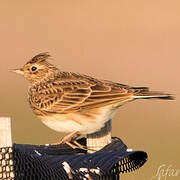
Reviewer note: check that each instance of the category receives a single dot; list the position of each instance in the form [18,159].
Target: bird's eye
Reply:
[34,68]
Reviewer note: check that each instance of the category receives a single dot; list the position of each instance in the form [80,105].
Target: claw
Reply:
[70,140]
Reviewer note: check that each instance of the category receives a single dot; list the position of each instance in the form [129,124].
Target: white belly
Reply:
[78,122]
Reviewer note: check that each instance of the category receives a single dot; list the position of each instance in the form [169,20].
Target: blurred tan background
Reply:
[132,42]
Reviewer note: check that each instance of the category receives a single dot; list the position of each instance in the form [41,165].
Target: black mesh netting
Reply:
[61,162]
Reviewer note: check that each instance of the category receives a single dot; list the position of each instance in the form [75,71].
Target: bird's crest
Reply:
[39,58]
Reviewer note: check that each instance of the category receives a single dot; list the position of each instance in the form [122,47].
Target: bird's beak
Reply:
[18,71]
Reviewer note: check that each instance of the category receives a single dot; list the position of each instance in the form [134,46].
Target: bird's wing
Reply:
[74,94]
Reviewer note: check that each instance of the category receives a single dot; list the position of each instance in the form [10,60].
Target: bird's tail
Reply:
[145,93]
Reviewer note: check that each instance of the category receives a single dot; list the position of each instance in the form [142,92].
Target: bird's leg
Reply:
[73,140]
[70,139]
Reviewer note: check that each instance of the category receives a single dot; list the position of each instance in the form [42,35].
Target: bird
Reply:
[74,103]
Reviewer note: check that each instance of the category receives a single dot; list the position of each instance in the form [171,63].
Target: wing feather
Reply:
[68,95]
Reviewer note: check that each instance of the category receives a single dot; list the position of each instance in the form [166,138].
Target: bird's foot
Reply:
[73,144]
[70,140]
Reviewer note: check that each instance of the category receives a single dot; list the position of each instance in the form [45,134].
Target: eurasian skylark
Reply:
[75,103]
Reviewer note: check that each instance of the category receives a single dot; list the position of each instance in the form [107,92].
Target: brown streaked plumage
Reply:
[70,102]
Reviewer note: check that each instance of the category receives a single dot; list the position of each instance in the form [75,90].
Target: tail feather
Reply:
[145,93]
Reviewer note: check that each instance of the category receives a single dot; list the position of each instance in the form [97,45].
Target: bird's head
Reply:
[38,69]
